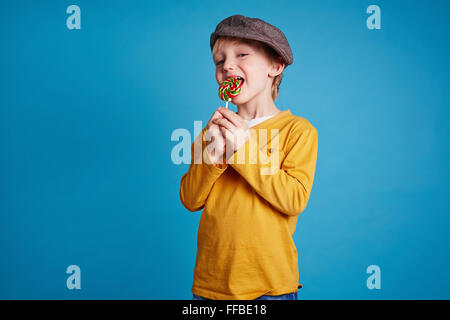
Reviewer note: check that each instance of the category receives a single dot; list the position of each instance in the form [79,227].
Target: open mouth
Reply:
[234,78]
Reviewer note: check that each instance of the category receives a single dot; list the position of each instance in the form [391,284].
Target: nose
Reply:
[228,65]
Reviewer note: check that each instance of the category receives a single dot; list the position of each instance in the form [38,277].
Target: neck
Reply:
[260,106]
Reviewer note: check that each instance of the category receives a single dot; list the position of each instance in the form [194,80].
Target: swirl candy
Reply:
[230,88]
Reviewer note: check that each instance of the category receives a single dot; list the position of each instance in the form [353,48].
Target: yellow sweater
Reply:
[244,244]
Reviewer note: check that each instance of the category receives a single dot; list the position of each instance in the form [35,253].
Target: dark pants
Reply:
[288,296]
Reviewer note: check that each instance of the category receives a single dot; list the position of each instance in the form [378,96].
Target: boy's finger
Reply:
[216,115]
[225,132]
[231,116]
[225,123]
[214,130]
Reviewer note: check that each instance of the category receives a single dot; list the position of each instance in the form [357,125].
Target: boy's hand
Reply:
[233,127]
[216,141]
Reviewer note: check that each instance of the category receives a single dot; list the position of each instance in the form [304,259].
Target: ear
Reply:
[277,67]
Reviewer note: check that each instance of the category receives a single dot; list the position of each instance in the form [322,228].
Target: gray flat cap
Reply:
[254,29]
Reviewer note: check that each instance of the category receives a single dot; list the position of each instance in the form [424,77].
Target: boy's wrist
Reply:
[218,161]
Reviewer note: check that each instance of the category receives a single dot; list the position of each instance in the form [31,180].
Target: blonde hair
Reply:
[269,51]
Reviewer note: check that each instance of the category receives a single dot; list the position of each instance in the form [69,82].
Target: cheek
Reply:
[218,77]
[255,76]
[255,81]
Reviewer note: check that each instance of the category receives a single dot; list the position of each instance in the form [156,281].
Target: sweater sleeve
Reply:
[200,178]
[288,188]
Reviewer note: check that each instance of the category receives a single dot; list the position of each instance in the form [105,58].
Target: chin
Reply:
[239,100]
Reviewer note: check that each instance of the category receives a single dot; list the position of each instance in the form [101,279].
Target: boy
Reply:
[245,248]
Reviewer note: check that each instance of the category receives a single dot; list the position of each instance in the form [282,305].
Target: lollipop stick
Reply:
[226,104]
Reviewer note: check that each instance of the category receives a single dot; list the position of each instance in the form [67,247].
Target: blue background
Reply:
[86,117]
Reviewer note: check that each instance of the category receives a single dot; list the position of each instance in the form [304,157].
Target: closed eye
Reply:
[239,55]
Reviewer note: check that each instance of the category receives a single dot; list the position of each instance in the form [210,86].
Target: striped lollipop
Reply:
[230,88]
